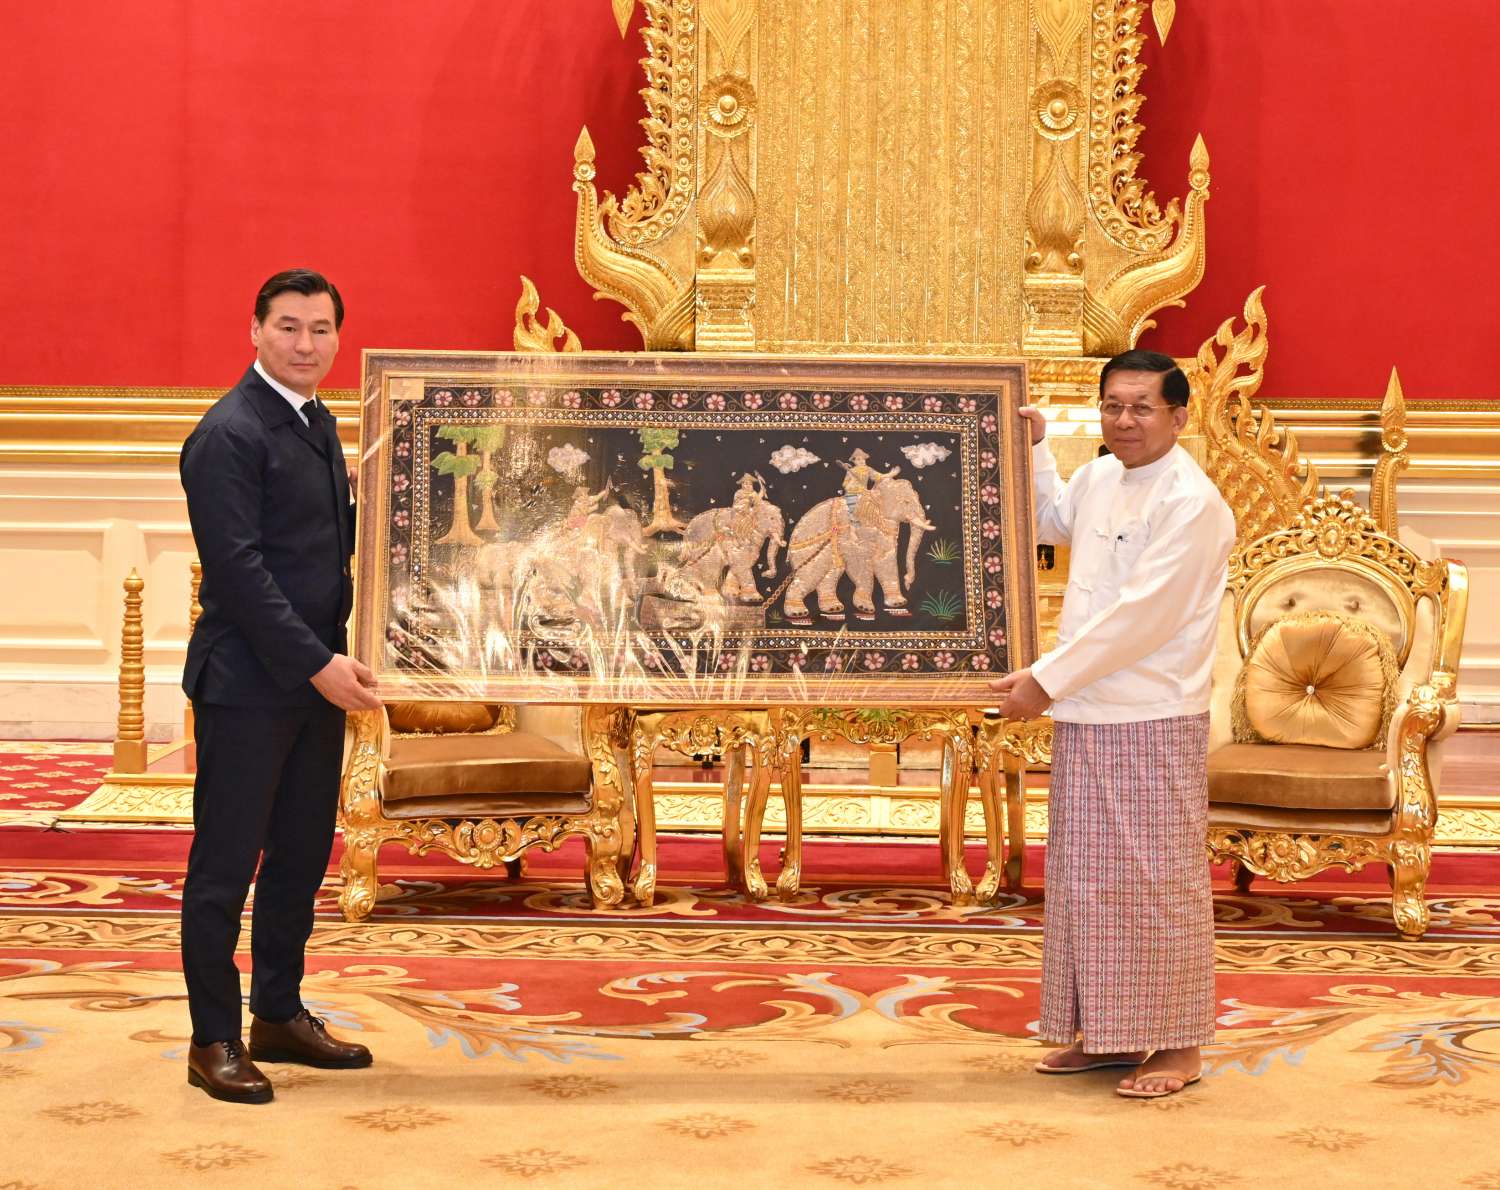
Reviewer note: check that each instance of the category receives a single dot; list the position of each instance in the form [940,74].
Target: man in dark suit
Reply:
[269,679]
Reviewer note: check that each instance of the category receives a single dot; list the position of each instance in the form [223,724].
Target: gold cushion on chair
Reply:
[1317,679]
[443,717]
[1300,776]
[503,768]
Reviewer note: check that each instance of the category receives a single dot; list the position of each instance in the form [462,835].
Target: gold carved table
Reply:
[693,733]
[871,725]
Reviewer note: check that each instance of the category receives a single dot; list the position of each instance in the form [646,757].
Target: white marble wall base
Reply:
[85,708]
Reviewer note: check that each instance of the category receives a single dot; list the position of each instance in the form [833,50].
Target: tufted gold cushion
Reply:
[1300,776]
[441,718]
[518,765]
[1317,679]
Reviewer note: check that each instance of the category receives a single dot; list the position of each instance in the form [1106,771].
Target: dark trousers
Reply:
[266,793]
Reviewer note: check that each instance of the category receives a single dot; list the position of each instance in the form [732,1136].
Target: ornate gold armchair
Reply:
[481,785]
[1338,658]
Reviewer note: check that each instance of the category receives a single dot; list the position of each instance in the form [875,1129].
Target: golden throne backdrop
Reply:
[872,177]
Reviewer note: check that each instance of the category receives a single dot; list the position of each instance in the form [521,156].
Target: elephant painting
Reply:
[721,540]
[605,550]
[830,542]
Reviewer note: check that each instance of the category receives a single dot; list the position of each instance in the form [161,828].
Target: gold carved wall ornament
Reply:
[1163,12]
[657,298]
[1394,458]
[638,250]
[1118,312]
[857,175]
[725,277]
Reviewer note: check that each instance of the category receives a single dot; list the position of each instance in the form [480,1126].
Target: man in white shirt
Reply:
[1127,966]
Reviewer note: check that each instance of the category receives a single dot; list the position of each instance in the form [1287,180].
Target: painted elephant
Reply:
[565,574]
[828,543]
[725,539]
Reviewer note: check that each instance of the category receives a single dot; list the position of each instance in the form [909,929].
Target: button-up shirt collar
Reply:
[296,400]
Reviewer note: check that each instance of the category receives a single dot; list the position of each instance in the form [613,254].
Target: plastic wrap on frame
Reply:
[672,529]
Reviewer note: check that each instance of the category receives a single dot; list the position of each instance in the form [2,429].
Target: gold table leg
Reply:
[788,751]
[957,766]
[642,753]
[994,830]
[1015,810]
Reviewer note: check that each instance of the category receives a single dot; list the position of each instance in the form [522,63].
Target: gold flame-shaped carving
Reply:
[656,300]
[1119,312]
[531,334]
[1253,462]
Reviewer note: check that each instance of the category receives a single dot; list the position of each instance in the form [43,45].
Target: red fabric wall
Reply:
[159,158]
[1355,166]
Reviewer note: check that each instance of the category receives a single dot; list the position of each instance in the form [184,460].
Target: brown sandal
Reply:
[1187,1081]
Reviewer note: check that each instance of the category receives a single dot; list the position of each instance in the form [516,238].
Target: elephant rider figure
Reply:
[583,505]
[859,478]
[747,497]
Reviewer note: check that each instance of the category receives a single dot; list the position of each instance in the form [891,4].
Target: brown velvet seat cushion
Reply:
[516,773]
[1299,776]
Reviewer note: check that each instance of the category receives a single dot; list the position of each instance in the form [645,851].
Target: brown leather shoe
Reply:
[222,1069]
[304,1039]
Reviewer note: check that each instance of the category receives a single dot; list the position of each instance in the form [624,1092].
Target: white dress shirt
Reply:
[296,400]
[1146,575]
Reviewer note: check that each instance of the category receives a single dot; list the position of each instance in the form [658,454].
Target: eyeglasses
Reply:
[1113,411]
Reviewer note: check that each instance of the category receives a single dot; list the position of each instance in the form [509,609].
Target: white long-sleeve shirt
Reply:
[1150,550]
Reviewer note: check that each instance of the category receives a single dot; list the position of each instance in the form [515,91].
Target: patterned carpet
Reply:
[869,1035]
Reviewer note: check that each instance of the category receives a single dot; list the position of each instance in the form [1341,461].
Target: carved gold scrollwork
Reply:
[1287,855]
[1124,207]
[664,190]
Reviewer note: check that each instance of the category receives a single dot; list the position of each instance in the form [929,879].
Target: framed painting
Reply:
[676,529]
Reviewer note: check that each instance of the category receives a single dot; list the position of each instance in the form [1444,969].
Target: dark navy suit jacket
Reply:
[269,503]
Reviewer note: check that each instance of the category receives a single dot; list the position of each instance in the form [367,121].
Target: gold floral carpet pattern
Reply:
[858,1038]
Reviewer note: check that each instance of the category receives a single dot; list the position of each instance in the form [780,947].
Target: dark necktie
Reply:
[317,416]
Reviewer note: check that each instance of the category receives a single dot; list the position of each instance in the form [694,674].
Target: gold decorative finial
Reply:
[1198,164]
[533,335]
[1393,456]
[583,149]
[1163,12]
[625,9]
[130,739]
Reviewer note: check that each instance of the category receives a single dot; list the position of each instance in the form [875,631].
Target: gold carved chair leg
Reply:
[359,810]
[734,817]
[609,827]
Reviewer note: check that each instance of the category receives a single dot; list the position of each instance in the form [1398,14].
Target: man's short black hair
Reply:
[303,281]
[1174,383]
